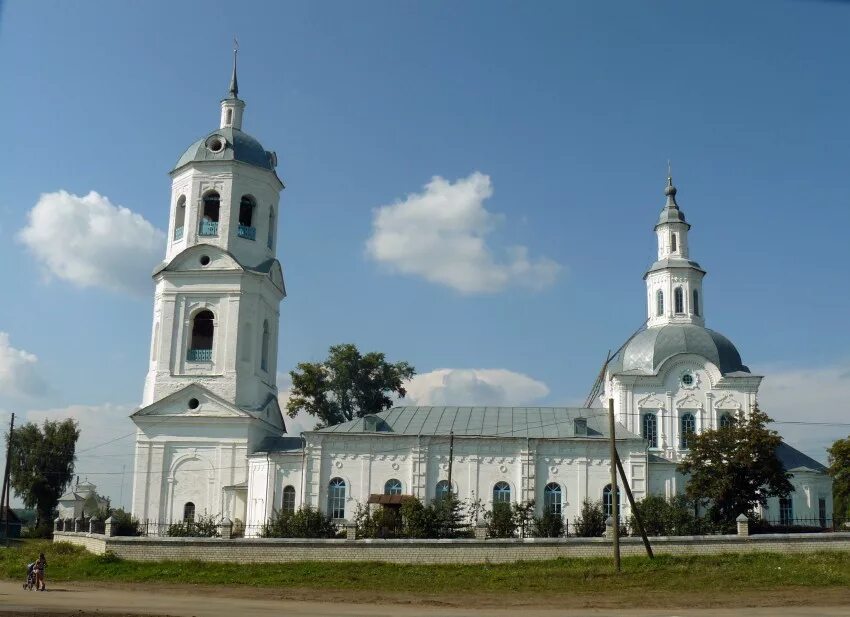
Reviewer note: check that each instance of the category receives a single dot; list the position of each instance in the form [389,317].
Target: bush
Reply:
[591,522]
[44,530]
[306,522]
[124,523]
[202,527]
[547,526]
[662,517]
[500,521]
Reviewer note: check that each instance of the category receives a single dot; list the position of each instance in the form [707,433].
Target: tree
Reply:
[839,469]
[347,385]
[591,522]
[42,464]
[735,468]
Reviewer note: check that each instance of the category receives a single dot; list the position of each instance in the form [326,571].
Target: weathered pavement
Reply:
[84,599]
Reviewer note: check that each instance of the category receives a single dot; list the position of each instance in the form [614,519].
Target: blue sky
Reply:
[569,110]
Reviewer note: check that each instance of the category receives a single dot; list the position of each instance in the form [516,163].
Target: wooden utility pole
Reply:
[635,512]
[451,457]
[615,494]
[4,498]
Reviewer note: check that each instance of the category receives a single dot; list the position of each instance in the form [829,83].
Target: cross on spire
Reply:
[234,84]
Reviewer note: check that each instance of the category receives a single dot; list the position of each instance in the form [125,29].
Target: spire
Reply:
[670,190]
[234,84]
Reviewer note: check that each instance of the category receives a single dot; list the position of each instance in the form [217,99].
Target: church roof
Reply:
[673,262]
[238,146]
[794,460]
[524,422]
[275,443]
[648,350]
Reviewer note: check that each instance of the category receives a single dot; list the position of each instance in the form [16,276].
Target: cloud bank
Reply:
[19,374]
[441,234]
[89,242]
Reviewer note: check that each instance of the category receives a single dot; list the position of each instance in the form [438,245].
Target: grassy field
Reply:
[760,571]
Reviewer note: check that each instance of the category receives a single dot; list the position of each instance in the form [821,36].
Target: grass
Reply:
[709,574]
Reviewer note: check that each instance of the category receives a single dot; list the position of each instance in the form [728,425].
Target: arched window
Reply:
[786,511]
[552,499]
[189,512]
[606,501]
[696,303]
[336,498]
[501,493]
[209,214]
[689,427]
[180,217]
[229,120]
[659,303]
[246,218]
[203,327]
[271,228]
[725,421]
[442,489]
[392,487]
[289,499]
[673,244]
[679,300]
[264,357]
[649,429]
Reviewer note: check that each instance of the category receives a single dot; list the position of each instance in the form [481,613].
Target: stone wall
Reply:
[275,550]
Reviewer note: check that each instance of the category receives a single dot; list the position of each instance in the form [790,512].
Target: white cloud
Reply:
[810,395]
[19,374]
[474,387]
[90,242]
[440,235]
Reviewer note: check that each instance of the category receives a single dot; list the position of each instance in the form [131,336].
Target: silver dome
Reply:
[648,350]
[238,146]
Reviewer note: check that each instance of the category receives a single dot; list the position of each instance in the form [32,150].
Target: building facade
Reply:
[211,438]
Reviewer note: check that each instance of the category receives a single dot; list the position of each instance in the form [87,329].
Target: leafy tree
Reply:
[839,469]
[306,522]
[500,521]
[591,522]
[346,385]
[663,517]
[549,525]
[42,464]
[735,468]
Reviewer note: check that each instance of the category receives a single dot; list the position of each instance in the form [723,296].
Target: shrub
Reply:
[306,522]
[662,517]
[124,523]
[500,521]
[202,527]
[547,526]
[591,522]
[43,530]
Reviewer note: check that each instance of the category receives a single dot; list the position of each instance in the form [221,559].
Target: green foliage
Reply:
[42,464]
[123,523]
[590,523]
[839,469]
[346,385]
[734,469]
[547,526]
[202,527]
[500,521]
[305,522]
[662,517]
[41,530]
[442,518]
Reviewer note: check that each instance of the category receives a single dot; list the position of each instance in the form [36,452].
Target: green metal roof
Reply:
[524,422]
[238,146]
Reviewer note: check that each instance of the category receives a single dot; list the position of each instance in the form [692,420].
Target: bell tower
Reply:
[216,315]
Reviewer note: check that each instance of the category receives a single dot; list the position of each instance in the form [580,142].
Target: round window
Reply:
[688,379]
[215,143]
[205,260]
[194,403]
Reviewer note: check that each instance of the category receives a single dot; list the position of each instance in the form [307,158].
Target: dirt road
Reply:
[80,599]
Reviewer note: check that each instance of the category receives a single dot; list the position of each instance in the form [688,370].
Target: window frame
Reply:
[679,301]
[650,436]
[393,486]
[501,492]
[336,498]
[659,303]
[287,504]
[786,510]
[685,432]
[551,503]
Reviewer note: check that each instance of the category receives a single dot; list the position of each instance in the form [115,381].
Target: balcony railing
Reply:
[199,355]
[249,233]
[208,228]
[178,233]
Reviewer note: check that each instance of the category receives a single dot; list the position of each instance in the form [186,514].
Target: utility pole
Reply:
[635,512]
[451,457]
[615,493]
[4,498]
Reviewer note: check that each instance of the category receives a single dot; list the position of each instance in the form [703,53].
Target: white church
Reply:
[211,438]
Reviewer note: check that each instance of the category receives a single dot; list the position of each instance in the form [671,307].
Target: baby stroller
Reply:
[30,582]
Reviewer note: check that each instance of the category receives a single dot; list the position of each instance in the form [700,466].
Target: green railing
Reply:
[208,228]
[249,233]
[178,233]
[199,355]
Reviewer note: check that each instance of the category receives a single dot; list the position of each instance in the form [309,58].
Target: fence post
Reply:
[57,524]
[92,524]
[350,531]
[108,528]
[480,531]
[743,525]
[226,528]
[78,524]
[609,526]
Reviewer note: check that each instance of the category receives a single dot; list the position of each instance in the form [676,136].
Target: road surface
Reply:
[82,599]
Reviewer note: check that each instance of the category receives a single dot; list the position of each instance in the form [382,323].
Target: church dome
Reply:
[649,349]
[228,144]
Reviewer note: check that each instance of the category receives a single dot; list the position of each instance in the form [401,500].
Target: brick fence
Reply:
[280,550]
